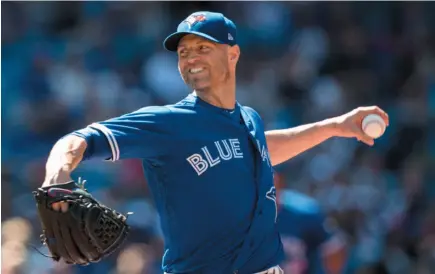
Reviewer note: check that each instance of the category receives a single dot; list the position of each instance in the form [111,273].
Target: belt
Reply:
[272,270]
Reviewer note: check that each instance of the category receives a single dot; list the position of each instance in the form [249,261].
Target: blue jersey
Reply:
[210,174]
[303,231]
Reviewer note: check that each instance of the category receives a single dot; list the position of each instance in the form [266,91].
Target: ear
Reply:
[234,54]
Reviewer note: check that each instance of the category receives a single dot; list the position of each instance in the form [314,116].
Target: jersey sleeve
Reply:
[142,134]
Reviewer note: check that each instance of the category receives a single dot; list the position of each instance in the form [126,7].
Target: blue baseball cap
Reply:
[210,25]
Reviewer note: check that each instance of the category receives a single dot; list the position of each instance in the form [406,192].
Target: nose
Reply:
[193,58]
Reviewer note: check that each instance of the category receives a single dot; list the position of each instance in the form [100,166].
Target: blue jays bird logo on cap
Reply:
[193,19]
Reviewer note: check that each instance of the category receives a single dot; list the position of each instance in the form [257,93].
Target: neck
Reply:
[223,96]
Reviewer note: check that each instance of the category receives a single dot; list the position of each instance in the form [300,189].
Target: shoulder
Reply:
[146,117]
[254,116]
[251,112]
[157,110]
[187,105]
[159,113]
[170,112]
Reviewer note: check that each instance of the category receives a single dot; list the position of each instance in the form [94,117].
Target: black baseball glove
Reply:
[86,233]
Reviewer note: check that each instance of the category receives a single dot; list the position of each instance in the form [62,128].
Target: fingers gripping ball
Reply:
[87,232]
[373,125]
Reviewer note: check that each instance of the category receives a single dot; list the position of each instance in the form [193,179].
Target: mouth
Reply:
[196,70]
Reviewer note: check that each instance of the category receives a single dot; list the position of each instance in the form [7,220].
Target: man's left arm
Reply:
[284,144]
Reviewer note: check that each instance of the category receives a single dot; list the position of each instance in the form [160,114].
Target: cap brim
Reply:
[171,42]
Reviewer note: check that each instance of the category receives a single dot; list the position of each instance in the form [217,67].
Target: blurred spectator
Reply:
[14,254]
[16,229]
[137,259]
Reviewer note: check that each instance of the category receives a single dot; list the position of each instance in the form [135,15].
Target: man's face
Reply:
[202,63]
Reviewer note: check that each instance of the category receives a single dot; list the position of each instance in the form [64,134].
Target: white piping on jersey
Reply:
[110,138]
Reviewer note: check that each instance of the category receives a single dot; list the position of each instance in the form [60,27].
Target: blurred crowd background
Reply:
[67,64]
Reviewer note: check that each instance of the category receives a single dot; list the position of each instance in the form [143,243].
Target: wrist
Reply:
[58,177]
[329,127]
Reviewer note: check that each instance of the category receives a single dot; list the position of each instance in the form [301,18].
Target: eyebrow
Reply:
[180,46]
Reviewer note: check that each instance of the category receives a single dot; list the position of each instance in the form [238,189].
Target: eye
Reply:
[182,53]
[204,48]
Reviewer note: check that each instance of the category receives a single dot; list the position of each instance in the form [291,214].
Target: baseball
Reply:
[373,125]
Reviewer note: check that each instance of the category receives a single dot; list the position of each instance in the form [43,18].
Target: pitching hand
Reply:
[349,125]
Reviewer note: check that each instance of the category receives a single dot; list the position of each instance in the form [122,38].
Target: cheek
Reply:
[224,63]
[181,71]
[219,66]
[223,67]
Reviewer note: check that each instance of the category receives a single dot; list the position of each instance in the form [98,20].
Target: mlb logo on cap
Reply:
[209,25]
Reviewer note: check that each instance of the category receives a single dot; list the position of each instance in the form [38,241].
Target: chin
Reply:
[201,86]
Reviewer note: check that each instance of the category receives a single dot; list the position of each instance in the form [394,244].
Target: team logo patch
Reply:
[193,19]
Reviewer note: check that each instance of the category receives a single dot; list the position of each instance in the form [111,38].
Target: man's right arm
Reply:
[143,134]
[64,157]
